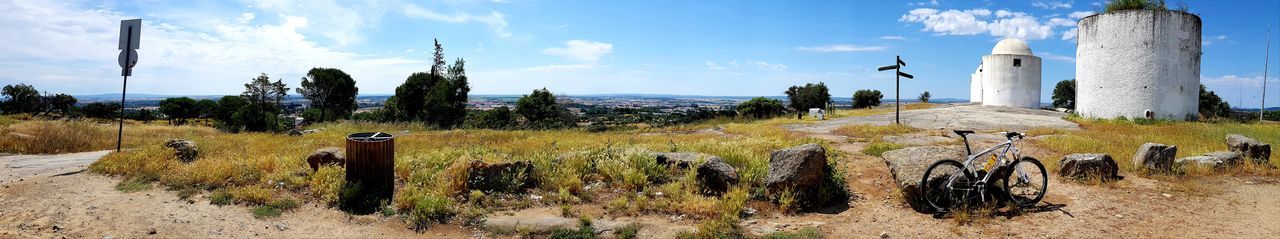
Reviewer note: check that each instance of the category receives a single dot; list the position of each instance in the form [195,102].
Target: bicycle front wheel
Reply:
[942,185]
[1026,182]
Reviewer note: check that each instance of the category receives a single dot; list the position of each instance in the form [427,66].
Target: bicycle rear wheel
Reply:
[1026,182]
[942,184]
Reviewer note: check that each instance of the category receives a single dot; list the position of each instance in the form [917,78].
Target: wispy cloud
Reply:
[1000,23]
[496,21]
[582,50]
[841,48]
[892,38]
[1056,57]
[1051,4]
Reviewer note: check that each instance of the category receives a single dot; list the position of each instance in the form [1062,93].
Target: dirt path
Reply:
[1217,207]
[49,199]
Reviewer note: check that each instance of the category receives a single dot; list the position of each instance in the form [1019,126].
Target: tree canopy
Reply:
[179,109]
[1212,106]
[808,96]
[331,91]
[866,98]
[540,110]
[437,97]
[761,108]
[1064,94]
[21,98]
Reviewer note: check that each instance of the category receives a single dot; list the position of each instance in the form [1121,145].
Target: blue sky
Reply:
[736,48]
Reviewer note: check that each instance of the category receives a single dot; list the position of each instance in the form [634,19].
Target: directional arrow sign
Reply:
[904,74]
[885,68]
[901,63]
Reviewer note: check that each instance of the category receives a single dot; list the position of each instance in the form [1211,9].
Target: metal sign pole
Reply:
[897,92]
[124,87]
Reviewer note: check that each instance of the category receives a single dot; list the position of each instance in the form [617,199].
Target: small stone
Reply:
[884,234]
[1119,216]
[282,226]
[151,232]
[1166,195]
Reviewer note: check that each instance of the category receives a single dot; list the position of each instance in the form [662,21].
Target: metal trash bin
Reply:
[371,164]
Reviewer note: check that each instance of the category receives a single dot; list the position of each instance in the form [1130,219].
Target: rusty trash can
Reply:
[370,170]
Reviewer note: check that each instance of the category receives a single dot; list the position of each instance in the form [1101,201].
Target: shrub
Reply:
[221,197]
[1121,5]
[275,208]
[253,195]
[496,118]
[761,108]
[1064,94]
[326,183]
[133,185]
[866,98]
[808,96]
[430,209]
[585,231]
[924,97]
[807,233]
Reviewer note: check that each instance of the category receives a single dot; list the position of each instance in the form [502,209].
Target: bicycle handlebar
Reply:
[1012,134]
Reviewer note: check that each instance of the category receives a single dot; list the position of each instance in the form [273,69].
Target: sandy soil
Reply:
[46,196]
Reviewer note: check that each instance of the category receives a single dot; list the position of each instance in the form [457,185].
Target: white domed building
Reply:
[1010,76]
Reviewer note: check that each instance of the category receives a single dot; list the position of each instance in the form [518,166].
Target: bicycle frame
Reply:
[1002,161]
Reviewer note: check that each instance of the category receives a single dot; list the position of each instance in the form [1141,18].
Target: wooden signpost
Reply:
[897,89]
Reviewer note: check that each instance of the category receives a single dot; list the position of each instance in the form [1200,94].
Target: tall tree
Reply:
[226,110]
[263,99]
[179,109]
[22,98]
[331,91]
[1064,94]
[62,103]
[924,97]
[101,110]
[437,97]
[540,110]
[866,98]
[1213,106]
[808,96]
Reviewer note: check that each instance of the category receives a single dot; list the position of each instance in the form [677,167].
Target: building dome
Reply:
[1012,46]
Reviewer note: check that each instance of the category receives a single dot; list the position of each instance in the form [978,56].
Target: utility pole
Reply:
[897,89]
[1265,63]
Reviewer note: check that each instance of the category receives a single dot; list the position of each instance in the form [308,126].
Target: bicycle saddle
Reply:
[962,133]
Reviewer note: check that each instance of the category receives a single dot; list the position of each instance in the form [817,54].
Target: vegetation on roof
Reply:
[1121,5]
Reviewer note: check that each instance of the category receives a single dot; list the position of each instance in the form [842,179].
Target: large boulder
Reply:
[1217,160]
[803,174]
[1253,149]
[184,150]
[796,168]
[325,156]
[506,177]
[715,176]
[1088,166]
[1155,157]
[682,159]
[907,166]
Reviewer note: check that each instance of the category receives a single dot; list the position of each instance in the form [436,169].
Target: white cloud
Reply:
[929,3]
[892,38]
[581,50]
[1080,14]
[841,48]
[713,66]
[1070,34]
[1051,4]
[245,18]
[1056,57]
[767,66]
[561,68]
[979,21]
[496,21]
[61,49]
[1209,40]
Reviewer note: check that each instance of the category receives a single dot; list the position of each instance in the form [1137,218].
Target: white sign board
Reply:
[130,30]
[130,35]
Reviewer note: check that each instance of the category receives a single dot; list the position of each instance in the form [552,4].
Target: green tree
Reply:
[761,108]
[206,108]
[1212,106]
[226,110]
[331,92]
[63,103]
[1064,94]
[924,97]
[101,110]
[21,98]
[866,98]
[437,97]
[496,118]
[541,111]
[179,110]
[808,96]
[262,105]
[144,115]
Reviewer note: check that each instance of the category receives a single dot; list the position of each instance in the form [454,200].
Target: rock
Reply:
[907,166]
[295,133]
[1216,160]
[1253,149]
[796,167]
[184,150]
[682,159]
[1155,157]
[500,177]
[715,176]
[1088,166]
[282,226]
[324,156]
[884,234]
[916,139]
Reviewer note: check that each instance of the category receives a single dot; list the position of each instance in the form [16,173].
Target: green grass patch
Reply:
[133,185]
[878,148]
[221,197]
[806,233]
[275,208]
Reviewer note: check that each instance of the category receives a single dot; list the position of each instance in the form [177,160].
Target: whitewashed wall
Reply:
[1131,62]
[1006,85]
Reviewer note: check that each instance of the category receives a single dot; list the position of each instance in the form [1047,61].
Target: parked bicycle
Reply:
[949,184]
